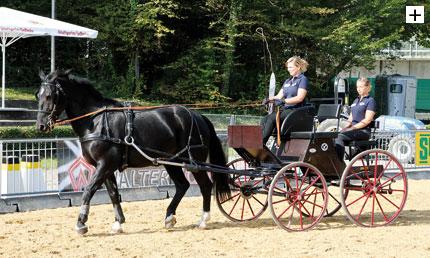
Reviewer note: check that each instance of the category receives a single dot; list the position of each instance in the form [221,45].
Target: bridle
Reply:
[55,112]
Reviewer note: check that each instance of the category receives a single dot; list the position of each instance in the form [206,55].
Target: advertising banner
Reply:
[74,172]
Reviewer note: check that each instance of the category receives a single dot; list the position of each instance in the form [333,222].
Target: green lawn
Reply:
[28,94]
[20,93]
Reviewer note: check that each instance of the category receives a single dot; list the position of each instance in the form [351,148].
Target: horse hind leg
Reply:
[112,189]
[181,185]
[205,185]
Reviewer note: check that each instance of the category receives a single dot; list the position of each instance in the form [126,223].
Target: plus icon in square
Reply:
[414,14]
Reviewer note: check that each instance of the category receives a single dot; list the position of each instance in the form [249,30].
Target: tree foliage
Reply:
[184,51]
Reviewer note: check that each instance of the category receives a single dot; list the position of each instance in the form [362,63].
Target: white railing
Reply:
[46,165]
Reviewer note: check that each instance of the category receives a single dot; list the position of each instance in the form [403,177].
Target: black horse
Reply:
[175,132]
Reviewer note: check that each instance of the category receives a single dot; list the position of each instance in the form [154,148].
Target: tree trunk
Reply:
[231,31]
[136,69]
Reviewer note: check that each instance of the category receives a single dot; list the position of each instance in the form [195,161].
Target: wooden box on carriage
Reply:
[245,136]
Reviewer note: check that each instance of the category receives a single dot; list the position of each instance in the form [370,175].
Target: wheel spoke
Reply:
[243,208]
[237,184]
[356,200]
[300,215]
[289,206]
[250,207]
[314,204]
[380,207]
[281,190]
[232,197]
[376,168]
[388,200]
[304,176]
[257,182]
[391,179]
[234,206]
[385,168]
[373,209]
[359,188]
[357,176]
[362,207]
[365,168]
[283,200]
[257,200]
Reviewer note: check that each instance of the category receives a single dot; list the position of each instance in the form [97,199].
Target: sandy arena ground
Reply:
[50,233]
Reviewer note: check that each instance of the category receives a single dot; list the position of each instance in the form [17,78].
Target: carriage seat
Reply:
[301,119]
[364,145]
[356,147]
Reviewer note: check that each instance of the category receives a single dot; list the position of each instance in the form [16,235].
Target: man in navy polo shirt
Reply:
[362,112]
[292,93]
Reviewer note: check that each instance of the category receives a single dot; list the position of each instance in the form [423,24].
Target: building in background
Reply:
[411,59]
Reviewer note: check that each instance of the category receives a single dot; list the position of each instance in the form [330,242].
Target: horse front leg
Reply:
[181,185]
[95,182]
[112,189]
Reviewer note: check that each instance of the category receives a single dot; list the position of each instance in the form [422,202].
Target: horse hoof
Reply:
[201,227]
[82,230]
[170,222]
[116,228]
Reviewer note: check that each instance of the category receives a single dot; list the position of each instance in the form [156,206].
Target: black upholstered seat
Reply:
[301,119]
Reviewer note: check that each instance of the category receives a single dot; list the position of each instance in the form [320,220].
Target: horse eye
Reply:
[36,94]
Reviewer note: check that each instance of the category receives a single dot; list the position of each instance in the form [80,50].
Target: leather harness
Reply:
[129,129]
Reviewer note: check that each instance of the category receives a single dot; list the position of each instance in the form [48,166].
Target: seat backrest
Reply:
[301,119]
[374,125]
[326,111]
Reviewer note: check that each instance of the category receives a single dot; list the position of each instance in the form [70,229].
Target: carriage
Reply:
[301,180]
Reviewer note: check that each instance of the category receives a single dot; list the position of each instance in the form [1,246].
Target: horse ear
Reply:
[67,72]
[42,75]
[54,75]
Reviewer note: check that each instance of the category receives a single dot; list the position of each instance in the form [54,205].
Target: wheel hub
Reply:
[247,190]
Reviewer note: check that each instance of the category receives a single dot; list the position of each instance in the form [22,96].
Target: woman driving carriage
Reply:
[362,113]
[292,94]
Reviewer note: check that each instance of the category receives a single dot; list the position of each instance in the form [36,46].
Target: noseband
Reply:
[54,113]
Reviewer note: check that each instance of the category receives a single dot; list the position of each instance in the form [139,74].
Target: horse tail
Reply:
[217,157]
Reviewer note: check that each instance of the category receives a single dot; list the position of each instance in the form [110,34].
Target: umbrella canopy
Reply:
[16,24]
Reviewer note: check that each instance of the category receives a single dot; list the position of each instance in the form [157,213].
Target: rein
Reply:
[205,106]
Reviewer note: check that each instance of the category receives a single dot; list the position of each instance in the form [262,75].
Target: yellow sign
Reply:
[422,148]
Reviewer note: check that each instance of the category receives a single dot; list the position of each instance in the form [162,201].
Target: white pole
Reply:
[53,39]
[3,78]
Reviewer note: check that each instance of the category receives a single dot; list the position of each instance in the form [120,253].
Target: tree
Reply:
[210,49]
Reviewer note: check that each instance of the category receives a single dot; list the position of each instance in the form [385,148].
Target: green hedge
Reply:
[23,132]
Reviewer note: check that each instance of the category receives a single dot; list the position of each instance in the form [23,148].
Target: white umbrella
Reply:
[16,24]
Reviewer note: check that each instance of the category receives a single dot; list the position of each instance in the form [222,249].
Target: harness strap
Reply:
[189,147]
[129,126]
[100,137]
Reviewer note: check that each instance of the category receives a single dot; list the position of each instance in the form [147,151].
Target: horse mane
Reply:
[85,84]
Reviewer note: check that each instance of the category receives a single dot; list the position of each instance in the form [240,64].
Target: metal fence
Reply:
[32,165]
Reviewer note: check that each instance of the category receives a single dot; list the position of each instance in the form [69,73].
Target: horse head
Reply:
[51,100]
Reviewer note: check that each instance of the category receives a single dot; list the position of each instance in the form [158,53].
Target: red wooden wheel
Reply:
[377,186]
[298,197]
[249,195]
